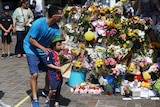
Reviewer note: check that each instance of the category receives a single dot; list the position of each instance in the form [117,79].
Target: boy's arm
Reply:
[54,67]
[1,26]
[10,28]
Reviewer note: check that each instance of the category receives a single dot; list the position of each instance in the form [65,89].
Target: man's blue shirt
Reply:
[42,33]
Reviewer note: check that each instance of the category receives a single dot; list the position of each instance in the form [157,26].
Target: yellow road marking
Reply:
[23,100]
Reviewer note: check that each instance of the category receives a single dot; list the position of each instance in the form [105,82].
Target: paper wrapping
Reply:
[66,70]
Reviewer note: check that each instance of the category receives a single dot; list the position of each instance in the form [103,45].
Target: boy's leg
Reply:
[57,96]
[9,40]
[9,50]
[3,48]
[48,99]
[45,91]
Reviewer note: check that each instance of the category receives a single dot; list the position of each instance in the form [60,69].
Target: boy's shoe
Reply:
[57,106]
[35,103]
[3,56]
[47,103]
[45,93]
[9,55]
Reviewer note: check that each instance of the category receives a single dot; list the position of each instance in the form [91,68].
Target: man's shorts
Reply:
[36,63]
[6,39]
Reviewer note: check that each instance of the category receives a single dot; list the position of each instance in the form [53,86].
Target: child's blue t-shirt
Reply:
[42,33]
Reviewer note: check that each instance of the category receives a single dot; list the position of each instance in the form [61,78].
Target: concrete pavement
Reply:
[15,89]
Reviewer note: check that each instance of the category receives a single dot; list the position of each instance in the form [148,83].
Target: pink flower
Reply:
[123,37]
[81,58]
[113,32]
[110,61]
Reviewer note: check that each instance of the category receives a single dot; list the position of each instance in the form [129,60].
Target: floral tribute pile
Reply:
[107,41]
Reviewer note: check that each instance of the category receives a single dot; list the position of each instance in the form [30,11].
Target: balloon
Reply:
[89,36]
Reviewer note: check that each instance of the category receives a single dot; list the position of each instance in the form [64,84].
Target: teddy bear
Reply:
[146,80]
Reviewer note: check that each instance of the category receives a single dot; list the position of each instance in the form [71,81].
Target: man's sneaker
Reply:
[3,104]
[3,56]
[35,103]
[45,93]
[47,103]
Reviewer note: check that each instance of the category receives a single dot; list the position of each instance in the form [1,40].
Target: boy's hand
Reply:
[59,69]
[5,34]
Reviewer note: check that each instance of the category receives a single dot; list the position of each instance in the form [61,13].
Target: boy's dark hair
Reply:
[53,10]
[53,45]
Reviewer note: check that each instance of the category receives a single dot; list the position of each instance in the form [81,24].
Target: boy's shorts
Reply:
[55,84]
[6,39]
[36,63]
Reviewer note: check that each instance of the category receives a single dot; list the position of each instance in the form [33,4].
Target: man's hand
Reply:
[14,30]
[46,50]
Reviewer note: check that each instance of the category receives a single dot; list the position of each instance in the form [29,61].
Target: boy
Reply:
[6,24]
[54,71]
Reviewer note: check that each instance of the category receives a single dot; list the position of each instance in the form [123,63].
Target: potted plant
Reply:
[127,91]
[108,89]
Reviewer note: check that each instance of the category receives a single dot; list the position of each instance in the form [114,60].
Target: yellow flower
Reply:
[131,67]
[131,34]
[103,17]
[102,11]
[123,0]
[78,64]
[136,31]
[109,22]
[128,42]
[124,45]
[99,62]
[119,25]
[129,49]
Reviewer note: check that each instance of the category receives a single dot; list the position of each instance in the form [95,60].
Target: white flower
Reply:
[141,34]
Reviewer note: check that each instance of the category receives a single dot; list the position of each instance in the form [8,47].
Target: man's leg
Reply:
[33,62]
[33,84]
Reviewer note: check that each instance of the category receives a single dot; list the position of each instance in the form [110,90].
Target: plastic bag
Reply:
[156,86]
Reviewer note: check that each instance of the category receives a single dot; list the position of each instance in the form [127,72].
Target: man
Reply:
[36,46]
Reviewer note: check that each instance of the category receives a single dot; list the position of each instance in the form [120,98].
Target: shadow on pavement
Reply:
[1,94]
[63,101]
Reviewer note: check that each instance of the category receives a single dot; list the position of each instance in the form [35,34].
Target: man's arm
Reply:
[36,44]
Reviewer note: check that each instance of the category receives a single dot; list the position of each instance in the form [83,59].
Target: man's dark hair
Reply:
[53,10]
